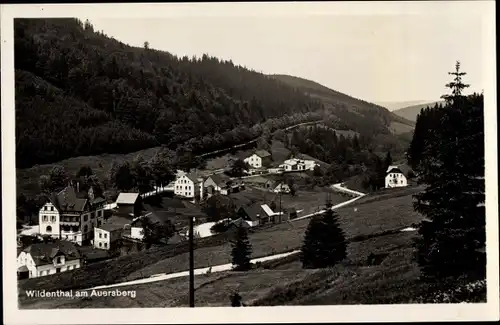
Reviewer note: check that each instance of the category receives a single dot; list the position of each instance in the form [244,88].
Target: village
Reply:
[76,227]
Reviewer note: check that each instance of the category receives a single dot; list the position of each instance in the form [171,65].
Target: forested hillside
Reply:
[80,92]
[355,114]
[411,112]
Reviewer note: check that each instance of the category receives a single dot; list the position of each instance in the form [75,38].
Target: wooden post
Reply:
[191,262]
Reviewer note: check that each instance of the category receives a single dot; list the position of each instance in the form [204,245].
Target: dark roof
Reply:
[395,170]
[115,222]
[193,176]
[239,223]
[67,200]
[220,179]
[262,153]
[44,253]
[253,211]
[98,200]
[152,217]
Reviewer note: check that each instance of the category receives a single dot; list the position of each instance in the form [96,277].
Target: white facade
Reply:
[254,161]
[70,226]
[295,164]
[104,239]
[186,187]
[283,188]
[48,219]
[395,180]
[137,233]
[59,263]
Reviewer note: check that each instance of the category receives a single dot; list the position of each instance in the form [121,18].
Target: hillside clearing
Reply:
[371,217]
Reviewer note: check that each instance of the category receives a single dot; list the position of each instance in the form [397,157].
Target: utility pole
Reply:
[191,262]
[281,191]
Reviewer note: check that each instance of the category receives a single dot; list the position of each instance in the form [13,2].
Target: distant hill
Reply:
[360,115]
[411,112]
[392,106]
[82,93]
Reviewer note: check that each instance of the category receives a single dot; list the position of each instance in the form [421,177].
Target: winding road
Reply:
[228,267]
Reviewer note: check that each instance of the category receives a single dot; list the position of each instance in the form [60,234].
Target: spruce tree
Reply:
[242,249]
[324,243]
[453,201]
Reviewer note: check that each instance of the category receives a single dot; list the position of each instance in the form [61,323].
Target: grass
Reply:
[399,128]
[375,216]
[279,282]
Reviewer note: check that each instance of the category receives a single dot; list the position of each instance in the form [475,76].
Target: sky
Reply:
[377,58]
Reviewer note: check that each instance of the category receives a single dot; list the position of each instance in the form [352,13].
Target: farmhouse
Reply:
[137,225]
[294,164]
[189,186]
[111,231]
[42,259]
[395,177]
[71,217]
[253,214]
[221,184]
[129,203]
[261,158]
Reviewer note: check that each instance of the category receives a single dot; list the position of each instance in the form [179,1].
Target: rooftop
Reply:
[262,153]
[44,253]
[127,198]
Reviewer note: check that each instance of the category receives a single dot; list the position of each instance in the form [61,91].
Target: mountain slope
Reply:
[392,106]
[170,100]
[359,115]
[80,92]
[411,112]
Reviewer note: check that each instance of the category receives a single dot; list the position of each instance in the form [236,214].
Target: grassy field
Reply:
[373,215]
[278,284]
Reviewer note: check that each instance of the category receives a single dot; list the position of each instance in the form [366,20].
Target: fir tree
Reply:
[324,243]
[453,201]
[241,251]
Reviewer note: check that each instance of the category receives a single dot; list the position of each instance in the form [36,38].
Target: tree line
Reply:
[79,92]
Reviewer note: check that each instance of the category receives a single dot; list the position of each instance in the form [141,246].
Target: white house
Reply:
[42,259]
[189,186]
[111,231]
[277,186]
[70,217]
[261,158]
[220,183]
[295,164]
[395,177]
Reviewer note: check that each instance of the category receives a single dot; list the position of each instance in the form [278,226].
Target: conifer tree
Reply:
[453,201]
[242,249]
[324,243]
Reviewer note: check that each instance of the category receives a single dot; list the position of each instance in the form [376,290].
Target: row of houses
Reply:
[261,161]
[195,186]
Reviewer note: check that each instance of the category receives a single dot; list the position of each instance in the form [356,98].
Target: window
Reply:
[74,237]
[45,208]
[85,217]
[85,228]
[92,215]
[100,235]
[51,208]
[106,245]
[45,218]
[105,235]
[48,229]
[99,213]
[100,244]
[53,218]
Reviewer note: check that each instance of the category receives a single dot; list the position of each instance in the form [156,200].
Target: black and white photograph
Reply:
[337,160]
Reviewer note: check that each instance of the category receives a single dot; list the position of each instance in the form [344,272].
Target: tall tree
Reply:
[324,243]
[453,170]
[241,250]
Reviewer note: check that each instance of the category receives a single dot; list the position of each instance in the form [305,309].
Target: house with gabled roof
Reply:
[43,259]
[129,203]
[395,177]
[71,216]
[106,235]
[221,184]
[189,185]
[259,159]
